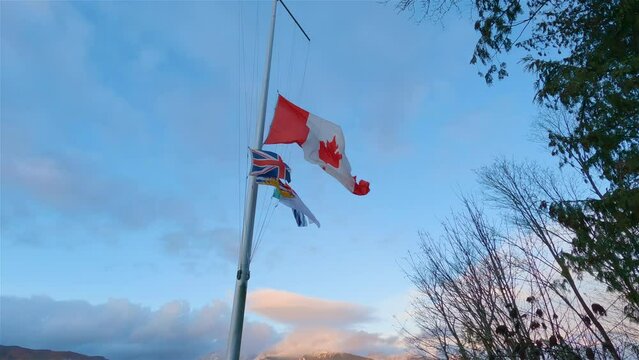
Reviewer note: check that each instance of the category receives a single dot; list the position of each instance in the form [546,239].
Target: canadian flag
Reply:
[321,140]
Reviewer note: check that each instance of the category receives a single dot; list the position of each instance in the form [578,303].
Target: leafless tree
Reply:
[488,292]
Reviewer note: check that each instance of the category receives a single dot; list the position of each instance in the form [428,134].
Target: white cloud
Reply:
[294,309]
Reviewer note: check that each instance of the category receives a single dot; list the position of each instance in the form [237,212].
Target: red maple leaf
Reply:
[328,153]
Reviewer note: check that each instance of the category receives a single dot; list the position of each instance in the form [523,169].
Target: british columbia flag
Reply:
[267,164]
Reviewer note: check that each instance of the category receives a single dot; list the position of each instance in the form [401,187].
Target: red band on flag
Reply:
[289,124]
[361,188]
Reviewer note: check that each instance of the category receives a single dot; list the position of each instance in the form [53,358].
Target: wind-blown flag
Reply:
[287,196]
[321,140]
[267,164]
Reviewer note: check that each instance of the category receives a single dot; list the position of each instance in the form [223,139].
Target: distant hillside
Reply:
[20,353]
[319,356]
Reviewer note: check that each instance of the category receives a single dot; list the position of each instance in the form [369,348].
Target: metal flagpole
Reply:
[243,273]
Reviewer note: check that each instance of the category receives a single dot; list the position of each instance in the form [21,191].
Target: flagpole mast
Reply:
[243,272]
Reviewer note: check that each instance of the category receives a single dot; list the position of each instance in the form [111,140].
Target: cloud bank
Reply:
[120,329]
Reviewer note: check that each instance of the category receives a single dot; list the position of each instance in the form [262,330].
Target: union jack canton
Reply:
[269,165]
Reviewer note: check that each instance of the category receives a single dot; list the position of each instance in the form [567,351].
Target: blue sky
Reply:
[124,134]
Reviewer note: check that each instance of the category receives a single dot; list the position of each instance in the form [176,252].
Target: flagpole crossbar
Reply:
[294,19]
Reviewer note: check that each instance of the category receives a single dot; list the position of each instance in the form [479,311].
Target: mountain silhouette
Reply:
[20,353]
